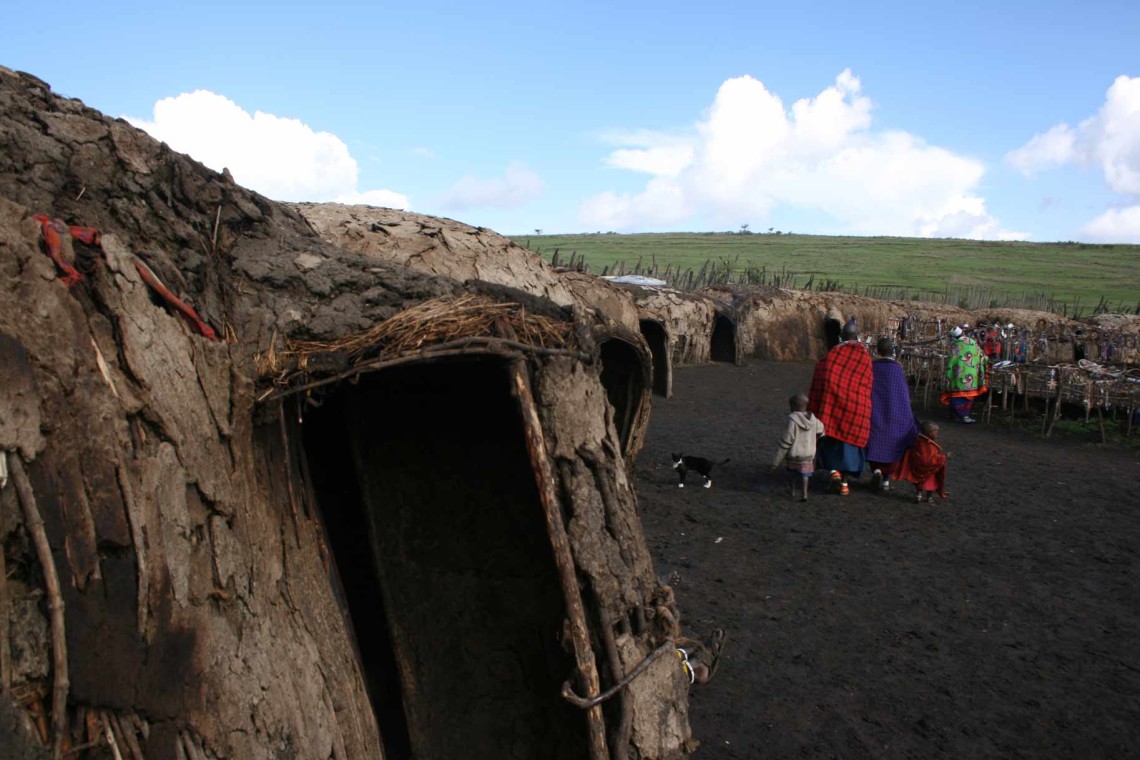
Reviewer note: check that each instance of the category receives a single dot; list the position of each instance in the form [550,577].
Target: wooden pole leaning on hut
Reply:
[563,558]
[34,523]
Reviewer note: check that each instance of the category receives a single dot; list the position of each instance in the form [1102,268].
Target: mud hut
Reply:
[474,254]
[697,329]
[267,497]
[792,325]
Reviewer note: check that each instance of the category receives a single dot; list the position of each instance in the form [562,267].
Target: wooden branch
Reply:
[563,558]
[593,702]
[34,523]
[619,746]
[127,730]
[288,454]
[461,347]
[217,222]
[106,719]
[5,646]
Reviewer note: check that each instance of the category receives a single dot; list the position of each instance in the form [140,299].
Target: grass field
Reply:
[1072,277]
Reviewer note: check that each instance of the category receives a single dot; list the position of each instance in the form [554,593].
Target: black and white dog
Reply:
[703,467]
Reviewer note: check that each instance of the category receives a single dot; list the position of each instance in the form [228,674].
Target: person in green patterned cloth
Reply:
[965,375]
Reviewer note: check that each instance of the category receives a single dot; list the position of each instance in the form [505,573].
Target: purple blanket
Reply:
[893,426]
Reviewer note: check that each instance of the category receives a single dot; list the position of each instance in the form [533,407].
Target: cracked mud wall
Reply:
[189,596]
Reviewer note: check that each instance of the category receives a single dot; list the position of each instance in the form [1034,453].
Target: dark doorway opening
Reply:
[722,347]
[832,329]
[654,334]
[429,498]
[622,377]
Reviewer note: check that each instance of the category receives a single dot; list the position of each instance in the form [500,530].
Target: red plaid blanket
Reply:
[841,393]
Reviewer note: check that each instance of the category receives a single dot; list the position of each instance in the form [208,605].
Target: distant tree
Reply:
[538,232]
[744,229]
[770,230]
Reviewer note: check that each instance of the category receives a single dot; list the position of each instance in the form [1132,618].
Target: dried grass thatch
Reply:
[435,324]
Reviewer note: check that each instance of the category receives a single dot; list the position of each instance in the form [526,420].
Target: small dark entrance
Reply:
[654,334]
[622,377]
[426,487]
[722,347]
[832,328]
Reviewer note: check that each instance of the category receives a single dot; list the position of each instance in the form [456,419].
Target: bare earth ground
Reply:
[1002,623]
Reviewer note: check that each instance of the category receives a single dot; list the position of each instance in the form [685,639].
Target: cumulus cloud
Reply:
[1118,225]
[517,186]
[749,153]
[279,157]
[1108,140]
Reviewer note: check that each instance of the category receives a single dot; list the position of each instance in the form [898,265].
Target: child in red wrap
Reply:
[924,464]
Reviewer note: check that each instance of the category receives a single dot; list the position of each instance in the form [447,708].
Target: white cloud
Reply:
[517,186]
[750,154]
[1109,139]
[1053,148]
[1118,225]
[421,151]
[279,157]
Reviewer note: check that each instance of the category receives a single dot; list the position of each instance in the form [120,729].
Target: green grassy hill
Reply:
[1061,276]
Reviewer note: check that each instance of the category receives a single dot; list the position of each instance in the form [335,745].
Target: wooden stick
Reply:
[217,221]
[34,523]
[619,747]
[288,454]
[563,558]
[1057,403]
[127,731]
[467,347]
[5,647]
[111,737]
[193,751]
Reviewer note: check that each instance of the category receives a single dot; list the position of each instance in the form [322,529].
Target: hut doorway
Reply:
[654,334]
[832,329]
[722,346]
[430,502]
[624,381]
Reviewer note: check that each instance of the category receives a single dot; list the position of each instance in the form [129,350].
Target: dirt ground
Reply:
[1002,623]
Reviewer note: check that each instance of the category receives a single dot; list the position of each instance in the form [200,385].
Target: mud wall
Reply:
[192,595]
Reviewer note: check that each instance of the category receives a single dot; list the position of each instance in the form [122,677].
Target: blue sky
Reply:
[998,120]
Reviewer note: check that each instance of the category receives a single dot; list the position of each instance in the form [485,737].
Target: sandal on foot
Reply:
[844,490]
[716,649]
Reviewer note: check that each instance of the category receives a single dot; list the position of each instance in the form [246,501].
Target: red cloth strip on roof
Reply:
[54,230]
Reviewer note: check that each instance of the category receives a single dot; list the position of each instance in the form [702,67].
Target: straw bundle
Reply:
[431,323]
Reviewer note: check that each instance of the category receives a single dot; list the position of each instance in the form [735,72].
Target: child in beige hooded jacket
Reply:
[797,447]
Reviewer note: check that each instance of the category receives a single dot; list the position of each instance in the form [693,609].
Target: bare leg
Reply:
[806,481]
